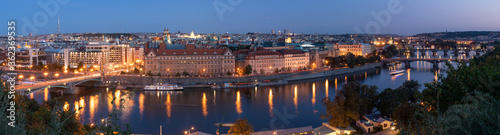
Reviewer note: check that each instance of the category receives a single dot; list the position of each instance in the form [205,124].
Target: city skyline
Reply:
[333,17]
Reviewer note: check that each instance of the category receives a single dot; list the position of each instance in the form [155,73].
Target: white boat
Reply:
[166,87]
[397,72]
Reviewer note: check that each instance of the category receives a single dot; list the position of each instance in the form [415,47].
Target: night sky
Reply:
[242,16]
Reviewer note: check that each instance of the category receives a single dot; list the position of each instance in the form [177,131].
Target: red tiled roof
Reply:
[292,51]
[190,52]
[262,52]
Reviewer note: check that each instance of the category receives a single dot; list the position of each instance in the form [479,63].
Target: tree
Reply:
[185,73]
[405,115]
[80,65]
[248,70]
[350,60]
[276,71]
[136,71]
[229,73]
[177,74]
[351,102]
[476,113]
[262,71]
[361,60]
[481,74]
[389,99]
[387,54]
[241,127]
[39,66]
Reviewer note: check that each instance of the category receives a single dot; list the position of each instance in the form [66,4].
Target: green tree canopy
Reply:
[351,102]
[241,127]
[248,70]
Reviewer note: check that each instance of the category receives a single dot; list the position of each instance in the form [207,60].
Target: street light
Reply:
[21,78]
[189,131]
[57,76]
[45,74]
[32,78]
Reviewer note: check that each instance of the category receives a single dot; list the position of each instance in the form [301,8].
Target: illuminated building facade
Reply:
[359,49]
[161,60]
[30,57]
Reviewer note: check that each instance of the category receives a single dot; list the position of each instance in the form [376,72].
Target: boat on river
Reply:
[397,72]
[165,87]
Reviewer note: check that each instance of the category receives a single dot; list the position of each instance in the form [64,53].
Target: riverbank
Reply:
[148,80]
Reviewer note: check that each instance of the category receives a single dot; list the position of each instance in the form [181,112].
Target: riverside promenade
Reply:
[294,76]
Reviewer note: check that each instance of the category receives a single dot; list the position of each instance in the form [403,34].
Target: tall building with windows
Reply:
[71,58]
[30,57]
[172,60]
[356,48]
[265,61]
[118,53]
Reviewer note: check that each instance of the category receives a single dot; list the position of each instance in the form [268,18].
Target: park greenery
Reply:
[53,118]
[466,101]
[241,127]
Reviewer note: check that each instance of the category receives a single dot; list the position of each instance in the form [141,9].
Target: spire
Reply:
[58,26]
[164,31]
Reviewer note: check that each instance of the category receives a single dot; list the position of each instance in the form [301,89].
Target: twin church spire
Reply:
[166,35]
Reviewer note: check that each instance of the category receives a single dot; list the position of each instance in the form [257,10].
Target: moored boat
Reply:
[165,87]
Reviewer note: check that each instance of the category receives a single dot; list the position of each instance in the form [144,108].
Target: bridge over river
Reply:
[434,61]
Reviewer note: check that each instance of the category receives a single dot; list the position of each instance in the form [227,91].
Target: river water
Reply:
[296,104]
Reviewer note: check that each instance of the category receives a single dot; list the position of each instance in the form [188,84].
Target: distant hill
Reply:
[461,34]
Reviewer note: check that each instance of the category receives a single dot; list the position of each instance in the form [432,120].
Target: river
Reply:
[296,104]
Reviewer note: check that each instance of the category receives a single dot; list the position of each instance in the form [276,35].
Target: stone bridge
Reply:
[407,61]
[445,51]
[70,87]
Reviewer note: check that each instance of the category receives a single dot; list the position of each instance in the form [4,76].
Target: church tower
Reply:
[166,36]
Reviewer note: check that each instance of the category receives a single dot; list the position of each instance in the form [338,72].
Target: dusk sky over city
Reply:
[250,67]
[321,16]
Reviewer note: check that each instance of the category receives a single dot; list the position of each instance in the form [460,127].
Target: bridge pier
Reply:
[435,64]
[407,64]
[445,53]
[456,52]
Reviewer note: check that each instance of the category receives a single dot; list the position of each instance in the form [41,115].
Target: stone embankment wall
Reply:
[147,80]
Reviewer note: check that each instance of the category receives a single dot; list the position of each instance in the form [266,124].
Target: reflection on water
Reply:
[66,106]
[408,72]
[270,101]
[117,98]
[146,111]
[204,104]
[295,98]
[141,103]
[326,88]
[345,79]
[336,86]
[238,103]
[169,106]
[313,99]
[46,94]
